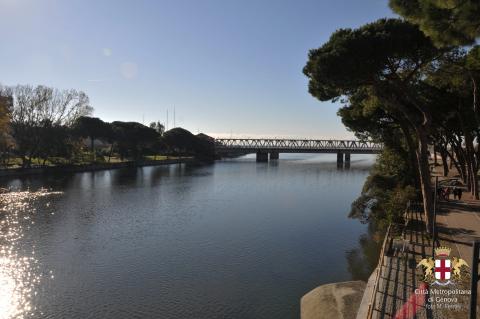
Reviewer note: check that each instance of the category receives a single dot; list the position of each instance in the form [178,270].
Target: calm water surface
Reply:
[235,239]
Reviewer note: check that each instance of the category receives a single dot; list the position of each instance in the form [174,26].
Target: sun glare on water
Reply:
[19,271]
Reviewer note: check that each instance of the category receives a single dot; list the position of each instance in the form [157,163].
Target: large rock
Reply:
[332,301]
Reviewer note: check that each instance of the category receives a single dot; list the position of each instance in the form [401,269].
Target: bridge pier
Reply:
[339,159]
[347,160]
[262,156]
[274,155]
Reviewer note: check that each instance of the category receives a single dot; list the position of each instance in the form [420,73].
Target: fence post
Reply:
[434,219]
[474,280]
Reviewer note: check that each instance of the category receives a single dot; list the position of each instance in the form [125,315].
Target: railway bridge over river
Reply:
[267,148]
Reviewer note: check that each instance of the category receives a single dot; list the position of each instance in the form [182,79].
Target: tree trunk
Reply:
[92,148]
[469,153]
[24,161]
[110,153]
[28,162]
[411,151]
[454,162]
[425,181]
[408,106]
[443,155]
[460,165]
[474,89]
[471,164]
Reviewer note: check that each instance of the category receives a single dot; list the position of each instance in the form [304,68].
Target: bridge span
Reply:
[266,148]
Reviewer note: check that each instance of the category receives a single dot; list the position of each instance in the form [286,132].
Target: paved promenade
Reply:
[458,224]
[458,221]
[400,291]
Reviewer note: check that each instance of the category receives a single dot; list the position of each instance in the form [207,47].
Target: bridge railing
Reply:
[240,143]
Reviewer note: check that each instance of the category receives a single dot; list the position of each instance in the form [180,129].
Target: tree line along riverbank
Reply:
[43,127]
[401,87]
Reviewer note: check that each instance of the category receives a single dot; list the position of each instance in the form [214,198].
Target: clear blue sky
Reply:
[228,66]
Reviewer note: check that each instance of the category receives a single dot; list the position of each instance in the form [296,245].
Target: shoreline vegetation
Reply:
[46,129]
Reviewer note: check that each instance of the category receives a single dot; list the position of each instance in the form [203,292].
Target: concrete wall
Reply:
[333,301]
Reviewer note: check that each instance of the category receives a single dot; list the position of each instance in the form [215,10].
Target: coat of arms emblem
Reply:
[442,270]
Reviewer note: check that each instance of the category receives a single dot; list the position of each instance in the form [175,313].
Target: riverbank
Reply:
[14,172]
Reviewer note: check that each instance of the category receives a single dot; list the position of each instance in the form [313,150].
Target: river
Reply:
[235,239]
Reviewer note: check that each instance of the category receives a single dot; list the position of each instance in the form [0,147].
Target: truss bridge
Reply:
[271,148]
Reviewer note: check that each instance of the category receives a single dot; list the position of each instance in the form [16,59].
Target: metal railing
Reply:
[474,280]
[373,298]
[434,217]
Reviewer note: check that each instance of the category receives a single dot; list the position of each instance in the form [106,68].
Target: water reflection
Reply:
[237,239]
[20,274]
[364,259]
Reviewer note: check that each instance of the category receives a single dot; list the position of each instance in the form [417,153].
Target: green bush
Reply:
[386,191]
